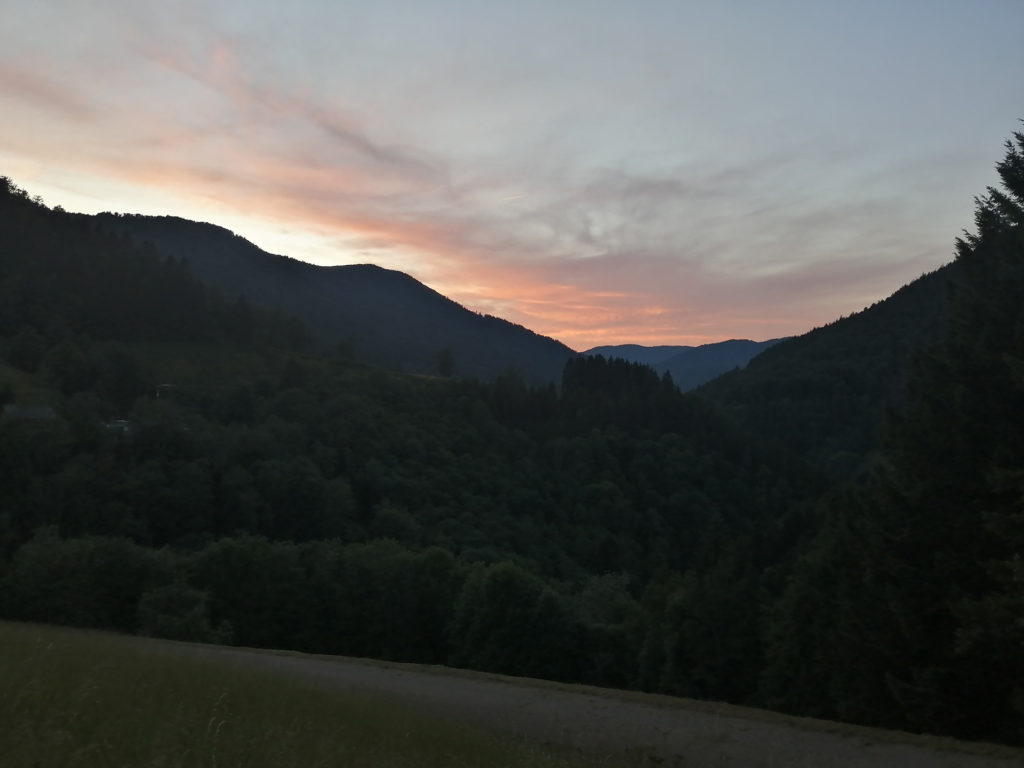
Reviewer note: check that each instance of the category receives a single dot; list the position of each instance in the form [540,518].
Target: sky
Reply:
[651,172]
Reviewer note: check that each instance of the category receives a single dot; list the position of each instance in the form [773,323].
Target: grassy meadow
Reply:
[76,698]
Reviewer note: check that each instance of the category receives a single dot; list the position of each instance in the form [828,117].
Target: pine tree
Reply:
[942,527]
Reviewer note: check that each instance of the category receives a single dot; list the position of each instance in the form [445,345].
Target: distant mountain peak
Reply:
[689,366]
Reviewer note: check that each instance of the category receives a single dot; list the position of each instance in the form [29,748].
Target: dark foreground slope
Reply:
[636,729]
[97,699]
[386,317]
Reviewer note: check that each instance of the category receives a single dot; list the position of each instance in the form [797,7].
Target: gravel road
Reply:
[670,732]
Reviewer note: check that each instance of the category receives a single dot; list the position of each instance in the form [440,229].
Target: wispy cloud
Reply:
[18,81]
[589,207]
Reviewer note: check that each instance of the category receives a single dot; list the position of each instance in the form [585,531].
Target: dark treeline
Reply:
[908,605]
[340,509]
[610,530]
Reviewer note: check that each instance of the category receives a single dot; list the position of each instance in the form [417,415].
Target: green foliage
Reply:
[26,349]
[255,587]
[446,362]
[179,612]
[271,500]
[91,582]
[72,368]
[507,620]
[610,617]
[713,646]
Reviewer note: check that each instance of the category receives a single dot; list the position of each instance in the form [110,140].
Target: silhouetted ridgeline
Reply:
[385,317]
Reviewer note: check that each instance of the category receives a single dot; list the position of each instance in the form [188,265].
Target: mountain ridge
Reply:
[383,316]
[389,318]
[690,366]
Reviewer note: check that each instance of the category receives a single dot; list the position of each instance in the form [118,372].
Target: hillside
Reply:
[823,396]
[384,317]
[404,517]
[915,572]
[99,699]
[689,367]
[81,310]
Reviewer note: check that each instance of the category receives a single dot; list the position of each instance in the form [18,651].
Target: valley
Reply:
[832,530]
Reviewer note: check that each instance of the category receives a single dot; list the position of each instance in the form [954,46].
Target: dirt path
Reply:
[671,732]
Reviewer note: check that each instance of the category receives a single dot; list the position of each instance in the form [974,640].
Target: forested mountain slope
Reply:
[60,276]
[907,608]
[368,513]
[386,317]
[74,301]
[823,396]
[307,501]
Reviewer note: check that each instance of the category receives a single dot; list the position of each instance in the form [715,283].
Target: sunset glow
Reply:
[652,173]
